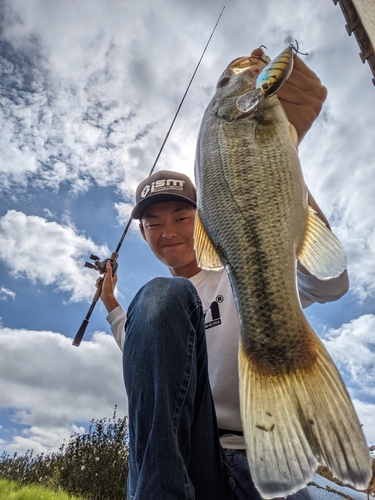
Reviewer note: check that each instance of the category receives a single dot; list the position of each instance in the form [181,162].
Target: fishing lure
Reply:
[269,81]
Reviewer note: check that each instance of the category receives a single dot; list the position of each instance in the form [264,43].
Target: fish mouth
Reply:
[261,58]
[245,63]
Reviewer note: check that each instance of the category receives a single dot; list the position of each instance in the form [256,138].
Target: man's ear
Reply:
[142,229]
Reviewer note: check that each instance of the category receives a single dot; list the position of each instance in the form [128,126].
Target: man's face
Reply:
[168,227]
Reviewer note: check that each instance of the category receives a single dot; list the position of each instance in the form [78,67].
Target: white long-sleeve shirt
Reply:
[223,332]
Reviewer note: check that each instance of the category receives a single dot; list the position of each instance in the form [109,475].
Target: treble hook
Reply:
[296,49]
[260,57]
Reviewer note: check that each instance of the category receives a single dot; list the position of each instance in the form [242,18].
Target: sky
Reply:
[88,90]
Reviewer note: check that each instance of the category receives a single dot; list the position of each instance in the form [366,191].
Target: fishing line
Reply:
[172,123]
[101,265]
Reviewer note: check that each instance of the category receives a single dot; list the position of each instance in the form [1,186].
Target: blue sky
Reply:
[87,92]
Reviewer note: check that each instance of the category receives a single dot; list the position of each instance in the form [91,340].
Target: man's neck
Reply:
[186,272]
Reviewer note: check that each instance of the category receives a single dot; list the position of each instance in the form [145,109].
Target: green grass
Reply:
[10,490]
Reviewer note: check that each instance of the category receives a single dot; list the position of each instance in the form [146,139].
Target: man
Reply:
[185,430]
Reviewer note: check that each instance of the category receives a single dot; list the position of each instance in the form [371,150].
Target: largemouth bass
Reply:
[253,217]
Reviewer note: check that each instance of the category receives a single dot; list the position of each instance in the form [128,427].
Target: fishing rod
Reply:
[99,265]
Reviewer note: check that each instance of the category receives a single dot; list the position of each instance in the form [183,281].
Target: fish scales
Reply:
[254,206]
[253,218]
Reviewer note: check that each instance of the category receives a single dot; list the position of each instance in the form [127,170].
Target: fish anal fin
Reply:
[207,256]
[321,251]
[297,418]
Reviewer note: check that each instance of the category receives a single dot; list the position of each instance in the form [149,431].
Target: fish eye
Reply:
[223,81]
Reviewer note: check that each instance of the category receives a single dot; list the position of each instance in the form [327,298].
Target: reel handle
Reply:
[79,335]
[100,265]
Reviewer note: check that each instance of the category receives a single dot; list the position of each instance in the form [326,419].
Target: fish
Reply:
[253,218]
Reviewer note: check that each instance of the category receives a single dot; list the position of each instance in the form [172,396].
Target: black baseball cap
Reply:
[163,186]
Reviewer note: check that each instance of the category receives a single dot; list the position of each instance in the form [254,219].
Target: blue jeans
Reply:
[175,451]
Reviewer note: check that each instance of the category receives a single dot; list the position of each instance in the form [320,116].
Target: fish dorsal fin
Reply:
[321,251]
[207,256]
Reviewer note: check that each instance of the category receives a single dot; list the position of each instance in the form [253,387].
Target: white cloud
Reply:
[48,253]
[359,244]
[48,213]
[5,293]
[124,211]
[366,412]
[52,386]
[97,94]
[40,439]
[352,347]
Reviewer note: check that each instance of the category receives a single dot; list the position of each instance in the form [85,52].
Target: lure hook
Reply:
[260,57]
[296,49]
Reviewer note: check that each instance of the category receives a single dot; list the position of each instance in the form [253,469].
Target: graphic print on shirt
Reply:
[212,317]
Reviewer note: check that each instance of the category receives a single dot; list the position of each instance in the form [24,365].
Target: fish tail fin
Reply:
[293,421]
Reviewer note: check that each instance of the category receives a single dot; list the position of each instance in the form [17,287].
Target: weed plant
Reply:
[92,464]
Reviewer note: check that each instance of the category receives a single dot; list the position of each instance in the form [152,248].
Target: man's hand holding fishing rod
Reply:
[190,435]
[107,283]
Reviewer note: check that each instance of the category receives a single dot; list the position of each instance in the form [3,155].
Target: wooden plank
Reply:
[360,19]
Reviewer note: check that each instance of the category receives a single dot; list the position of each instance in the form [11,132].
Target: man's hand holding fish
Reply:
[302,96]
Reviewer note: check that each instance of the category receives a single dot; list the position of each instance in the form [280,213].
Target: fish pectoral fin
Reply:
[296,418]
[293,135]
[321,251]
[207,256]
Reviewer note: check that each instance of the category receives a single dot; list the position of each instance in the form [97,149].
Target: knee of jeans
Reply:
[161,293]
[161,298]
